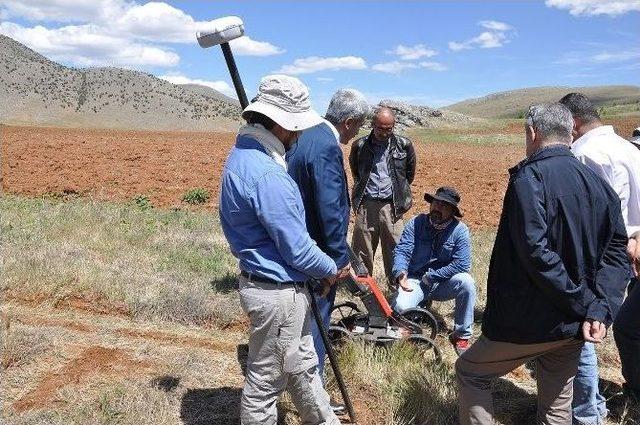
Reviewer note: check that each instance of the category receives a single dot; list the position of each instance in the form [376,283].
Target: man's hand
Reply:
[344,272]
[593,331]
[403,282]
[633,251]
[327,283]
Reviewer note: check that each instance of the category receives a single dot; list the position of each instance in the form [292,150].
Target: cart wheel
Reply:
[338,335]
[430,350]
[424,319]
[342,314]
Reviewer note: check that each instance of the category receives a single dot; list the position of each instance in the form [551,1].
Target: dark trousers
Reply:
[325,304]
[626,330]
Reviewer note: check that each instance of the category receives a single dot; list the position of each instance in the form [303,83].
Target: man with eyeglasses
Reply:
[383,165]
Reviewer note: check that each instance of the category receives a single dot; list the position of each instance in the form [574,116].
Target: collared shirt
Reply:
[618,162]
[438,255]
[263,218]
[333,128]
[379,183]
[315,163]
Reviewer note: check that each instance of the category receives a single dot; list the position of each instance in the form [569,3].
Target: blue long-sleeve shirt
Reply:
[316,165]
[262,217]
[438,255]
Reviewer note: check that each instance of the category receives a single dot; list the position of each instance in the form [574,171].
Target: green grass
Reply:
[488,132]
[624,110]
[156,263]
[172,265]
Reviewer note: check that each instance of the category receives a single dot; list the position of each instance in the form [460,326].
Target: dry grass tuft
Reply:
[19,345]
[160,264]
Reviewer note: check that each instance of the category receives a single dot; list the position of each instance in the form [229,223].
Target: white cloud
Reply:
[161,22]
[433,66]
[324,79]
[495,26]
[123,29]
[498,35]
[64,10]
[313,64]
[618,56]
[457,46]
[86,45]
[394,67]
[412,52]
[220,86]
[246,46]
[595,7]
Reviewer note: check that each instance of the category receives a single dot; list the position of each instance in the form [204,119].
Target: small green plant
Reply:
[196,196]
[143,202]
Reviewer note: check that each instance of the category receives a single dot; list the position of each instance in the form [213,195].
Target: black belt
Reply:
[260,279]
[369,198]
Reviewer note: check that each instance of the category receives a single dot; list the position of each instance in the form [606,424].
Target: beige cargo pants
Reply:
[281,355]
[486,360]
[376,222]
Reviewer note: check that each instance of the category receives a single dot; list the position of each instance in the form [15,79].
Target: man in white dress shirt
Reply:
[618,162]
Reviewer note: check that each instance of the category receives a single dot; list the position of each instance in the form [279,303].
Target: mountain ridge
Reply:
[38,91]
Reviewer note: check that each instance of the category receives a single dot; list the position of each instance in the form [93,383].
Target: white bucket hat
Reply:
[285,100]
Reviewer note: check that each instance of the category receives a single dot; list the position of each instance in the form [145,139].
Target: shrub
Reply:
[143,202]
[196,196]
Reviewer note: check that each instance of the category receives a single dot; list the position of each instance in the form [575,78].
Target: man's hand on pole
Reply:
[593,331]
[344,272]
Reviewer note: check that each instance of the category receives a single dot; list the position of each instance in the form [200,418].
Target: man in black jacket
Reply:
[383,165]
[556,277]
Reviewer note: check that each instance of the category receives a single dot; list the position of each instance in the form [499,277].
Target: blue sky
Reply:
[431,53]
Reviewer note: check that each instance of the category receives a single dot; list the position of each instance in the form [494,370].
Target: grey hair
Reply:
[345,104]
[551,121]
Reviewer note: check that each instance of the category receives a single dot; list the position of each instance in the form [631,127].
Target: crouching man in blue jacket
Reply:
[432,262]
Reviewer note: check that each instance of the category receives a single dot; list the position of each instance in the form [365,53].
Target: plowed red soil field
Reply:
[119,165]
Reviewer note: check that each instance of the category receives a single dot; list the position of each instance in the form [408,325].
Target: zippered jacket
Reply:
[401,165]
[560,252]
[315,163]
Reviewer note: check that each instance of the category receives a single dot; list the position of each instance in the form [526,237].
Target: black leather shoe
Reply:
[338,409]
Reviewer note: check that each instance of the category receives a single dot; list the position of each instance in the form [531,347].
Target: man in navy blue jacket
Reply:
[556,277]
[317,166]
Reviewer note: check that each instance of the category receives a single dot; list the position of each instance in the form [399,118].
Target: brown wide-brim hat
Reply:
[448,195]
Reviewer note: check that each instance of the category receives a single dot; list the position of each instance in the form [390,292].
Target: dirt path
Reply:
[80,350]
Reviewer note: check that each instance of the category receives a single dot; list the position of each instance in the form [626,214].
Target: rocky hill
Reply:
[511,104]
[209,92]
[37,91]
[408,115]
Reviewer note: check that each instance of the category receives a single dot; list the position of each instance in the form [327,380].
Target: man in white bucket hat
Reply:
[263,219]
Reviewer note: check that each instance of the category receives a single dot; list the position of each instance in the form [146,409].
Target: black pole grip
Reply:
[235,76]
[332,355]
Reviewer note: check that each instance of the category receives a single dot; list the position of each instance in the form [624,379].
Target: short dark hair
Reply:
[253,117]
[581,107]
